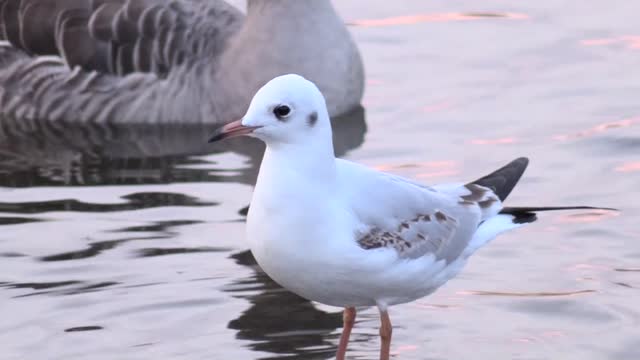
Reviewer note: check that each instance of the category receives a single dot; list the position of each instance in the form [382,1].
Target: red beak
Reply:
[230,130]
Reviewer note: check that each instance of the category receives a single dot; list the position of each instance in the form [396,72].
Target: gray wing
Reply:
[109,60]
[433,232]
[415,220]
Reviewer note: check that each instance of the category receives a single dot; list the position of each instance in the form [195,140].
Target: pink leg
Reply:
[348,318]
[385,334]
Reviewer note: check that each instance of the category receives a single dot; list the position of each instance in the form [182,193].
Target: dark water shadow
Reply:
[67,287]
[136,201]
[14,220]
[160,230]
[278,321]
[54,154]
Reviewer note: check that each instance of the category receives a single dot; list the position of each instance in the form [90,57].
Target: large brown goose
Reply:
[165,61]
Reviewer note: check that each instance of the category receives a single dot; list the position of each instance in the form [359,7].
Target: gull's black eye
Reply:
[281,111]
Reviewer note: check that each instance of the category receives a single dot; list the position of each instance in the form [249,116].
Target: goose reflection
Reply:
[55,154]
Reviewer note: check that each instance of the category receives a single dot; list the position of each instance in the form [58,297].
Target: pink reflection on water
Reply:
[541,337]
[553,334]
[437,169]
[526,294]
[524,340]
[583,266]
[587,217]
[598,129]
[628,41]
[403,349]
[426,169]
[435,174]
[498,141]
[374,82]
[438,106]
[629,167]
[442,17]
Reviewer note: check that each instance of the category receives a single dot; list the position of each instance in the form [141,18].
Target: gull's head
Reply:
[288,109]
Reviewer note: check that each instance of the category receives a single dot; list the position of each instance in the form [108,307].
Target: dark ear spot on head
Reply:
[312,119]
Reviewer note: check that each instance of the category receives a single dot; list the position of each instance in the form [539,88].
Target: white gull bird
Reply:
[345,235]
[165,61]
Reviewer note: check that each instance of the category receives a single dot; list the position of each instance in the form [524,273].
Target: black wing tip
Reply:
[522,159]
[524,217]
[503,180]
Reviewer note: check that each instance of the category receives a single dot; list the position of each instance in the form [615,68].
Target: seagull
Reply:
[165,61]
[345,235]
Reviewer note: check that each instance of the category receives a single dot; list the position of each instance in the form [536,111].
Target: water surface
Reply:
[128,243]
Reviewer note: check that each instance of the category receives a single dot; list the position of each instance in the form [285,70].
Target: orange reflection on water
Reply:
[584,266]
[442,17]
[437,169]
[433,174]
[599,129]
[629,41]
[544,336]
[418,170]
[587,217]
[553,334]
[525,294]
[499,141]
[439,106]
[524,340]
[404,349]
[629,167]
[541,337]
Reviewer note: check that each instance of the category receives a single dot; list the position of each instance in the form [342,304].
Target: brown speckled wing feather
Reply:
[416,220]
[428,233]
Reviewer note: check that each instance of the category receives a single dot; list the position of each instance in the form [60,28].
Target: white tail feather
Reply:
[488,230]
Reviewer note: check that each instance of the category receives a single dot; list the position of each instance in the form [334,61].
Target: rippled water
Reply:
[128,243]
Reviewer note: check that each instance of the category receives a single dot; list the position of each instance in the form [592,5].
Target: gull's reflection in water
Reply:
[115,154]
[279,321]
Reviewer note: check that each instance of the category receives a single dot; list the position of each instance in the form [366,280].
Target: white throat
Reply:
[309,159]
